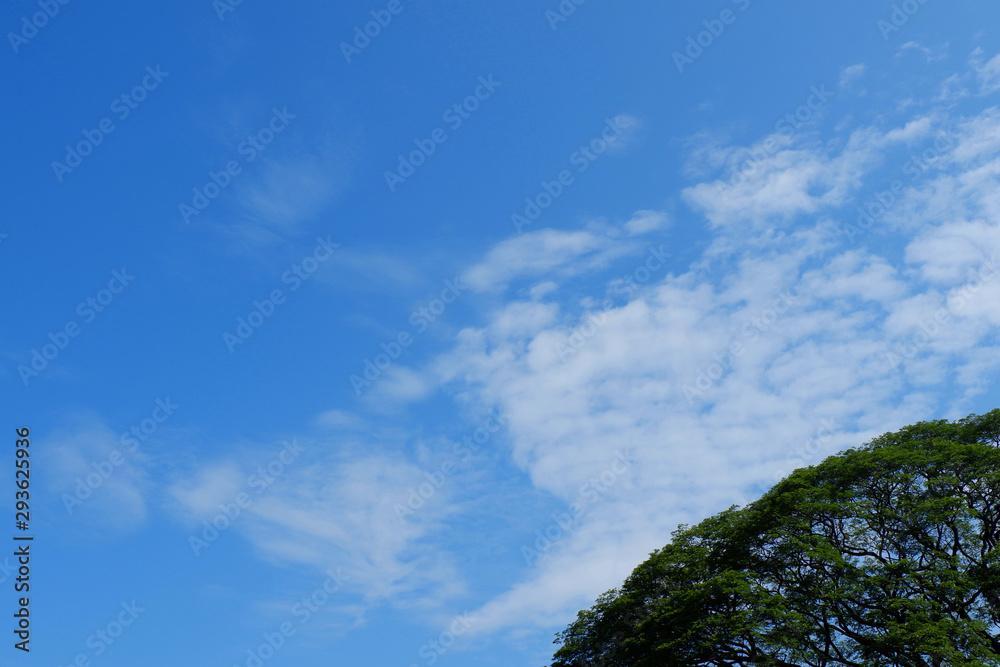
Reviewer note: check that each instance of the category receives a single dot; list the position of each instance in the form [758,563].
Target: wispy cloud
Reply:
[930,55]
[288,191]
[795,178]
[835,344]
[560,253]
[330,506]
[96,477]
[851,74]
[987,73]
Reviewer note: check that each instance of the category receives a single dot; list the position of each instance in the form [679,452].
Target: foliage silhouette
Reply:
[881,556]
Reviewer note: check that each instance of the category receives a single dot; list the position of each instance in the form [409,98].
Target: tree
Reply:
[881,556]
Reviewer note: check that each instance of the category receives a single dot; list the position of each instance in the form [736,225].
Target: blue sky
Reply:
[447,326]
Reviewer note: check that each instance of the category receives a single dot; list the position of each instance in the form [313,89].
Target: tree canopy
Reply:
[881,556]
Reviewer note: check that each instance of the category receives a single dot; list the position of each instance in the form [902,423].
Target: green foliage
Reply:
[883,556]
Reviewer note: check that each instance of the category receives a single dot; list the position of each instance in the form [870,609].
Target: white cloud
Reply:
[779,181]
[336,505]
[816,324]
[630,127]
[96,478]
[344,513]
[856,275]
[285,192]
[930,55]
[280,189]
[363,268]
[851,74]
[954,88]
[987,73]
[912,131]
[339,419]
[398,385]
[199,495]
[533,253]
[982,74]
[552,252]
[843,356]
[646,221]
